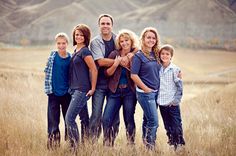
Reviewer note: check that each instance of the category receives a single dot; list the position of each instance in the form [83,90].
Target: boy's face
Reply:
[105,25]
[61,44]
[165,56]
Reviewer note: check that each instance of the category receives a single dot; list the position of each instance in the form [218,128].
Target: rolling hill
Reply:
[178,21]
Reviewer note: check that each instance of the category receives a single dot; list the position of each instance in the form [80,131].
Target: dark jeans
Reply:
[150,118]
[96,116]
[124,97]
[78,105]
[54,104]
[173,124]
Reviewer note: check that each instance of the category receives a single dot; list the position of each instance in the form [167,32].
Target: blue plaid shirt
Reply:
[48,73]
[171,87]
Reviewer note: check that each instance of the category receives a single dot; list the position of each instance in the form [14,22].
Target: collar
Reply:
[101,40]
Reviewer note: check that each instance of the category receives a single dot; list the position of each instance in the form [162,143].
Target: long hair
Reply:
[155,48]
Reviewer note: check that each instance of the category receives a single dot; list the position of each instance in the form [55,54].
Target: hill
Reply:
[197,23]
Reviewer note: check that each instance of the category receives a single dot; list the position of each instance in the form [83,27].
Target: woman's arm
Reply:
[110,71]
[93,73]
[140,83]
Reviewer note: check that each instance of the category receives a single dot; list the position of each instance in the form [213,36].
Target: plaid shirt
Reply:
[48,73]
[171,87]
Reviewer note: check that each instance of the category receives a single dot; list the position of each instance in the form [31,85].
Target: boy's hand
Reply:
[173,104]
[180,75]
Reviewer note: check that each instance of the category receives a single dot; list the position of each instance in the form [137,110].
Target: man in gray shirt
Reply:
[101,46]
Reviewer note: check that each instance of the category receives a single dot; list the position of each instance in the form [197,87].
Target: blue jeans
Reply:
[53,113]
[150,119]
[78,105]
[127,98]
[173,124]
[96,116]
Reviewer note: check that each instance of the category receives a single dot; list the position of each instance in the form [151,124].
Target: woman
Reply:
[82,81]
[145,73]
[121,89]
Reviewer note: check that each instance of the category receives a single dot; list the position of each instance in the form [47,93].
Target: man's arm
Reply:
[98,55]
[105,62]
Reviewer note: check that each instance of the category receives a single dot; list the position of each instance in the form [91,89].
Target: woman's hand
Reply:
[117,61]
[90,92]
[147,90]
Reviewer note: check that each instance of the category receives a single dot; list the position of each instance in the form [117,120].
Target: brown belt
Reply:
[122,86]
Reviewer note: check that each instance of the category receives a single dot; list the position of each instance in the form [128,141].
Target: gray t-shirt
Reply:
[102,49]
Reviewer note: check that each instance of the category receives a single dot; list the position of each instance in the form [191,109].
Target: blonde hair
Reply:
[129,35]
[155,48]
[62,35]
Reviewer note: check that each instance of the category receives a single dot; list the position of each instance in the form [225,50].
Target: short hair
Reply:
[126,34]
[155,48]
[85,30]
[62,35]
[105,15]
[167,47]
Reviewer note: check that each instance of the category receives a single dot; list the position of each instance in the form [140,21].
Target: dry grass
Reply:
[208,109]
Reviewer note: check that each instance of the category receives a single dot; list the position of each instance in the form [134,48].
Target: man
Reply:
[101,46]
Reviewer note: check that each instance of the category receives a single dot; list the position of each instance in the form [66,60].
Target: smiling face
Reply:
[105,25]
[149,39]
[79,37]
[61,44]
[165,56]
[125,43]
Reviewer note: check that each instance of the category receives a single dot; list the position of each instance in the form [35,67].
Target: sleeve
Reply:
[176,72]
[135,65]
[179,85]
[112,55]
[96,50]
[46,69]
[85,52]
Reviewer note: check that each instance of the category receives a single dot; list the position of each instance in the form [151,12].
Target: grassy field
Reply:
[208,107]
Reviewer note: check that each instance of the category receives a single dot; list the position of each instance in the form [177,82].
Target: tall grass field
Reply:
[208,107]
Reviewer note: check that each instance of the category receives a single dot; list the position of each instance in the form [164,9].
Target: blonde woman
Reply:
[121,89]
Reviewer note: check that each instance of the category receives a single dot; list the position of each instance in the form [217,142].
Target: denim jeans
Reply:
[96,116]
[150,119]
[54,104]
[127,98]
[173,124]
[78,105]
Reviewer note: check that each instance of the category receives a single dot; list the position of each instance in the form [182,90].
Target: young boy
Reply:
[169,98]
[56,87]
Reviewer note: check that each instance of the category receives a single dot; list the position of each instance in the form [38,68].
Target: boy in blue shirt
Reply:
[169,98]
[56,87]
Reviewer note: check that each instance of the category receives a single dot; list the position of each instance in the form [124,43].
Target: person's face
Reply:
[150,39]
[125,43]
[61,44]
[165,56]
[79,37]
[105,25]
